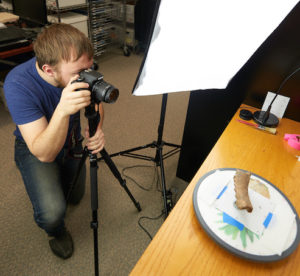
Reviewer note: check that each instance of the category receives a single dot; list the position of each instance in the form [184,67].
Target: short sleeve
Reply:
[22,104]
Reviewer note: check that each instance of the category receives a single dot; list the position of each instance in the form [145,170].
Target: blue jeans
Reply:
[47,185]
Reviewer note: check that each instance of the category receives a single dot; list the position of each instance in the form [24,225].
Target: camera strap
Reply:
[74,147]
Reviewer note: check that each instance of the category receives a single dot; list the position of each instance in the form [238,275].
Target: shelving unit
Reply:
[74,14]
[100,25]
[54,7]
[123,24]
[98,17]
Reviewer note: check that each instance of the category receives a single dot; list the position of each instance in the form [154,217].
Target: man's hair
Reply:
[61,42]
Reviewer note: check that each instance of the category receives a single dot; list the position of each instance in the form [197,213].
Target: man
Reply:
[45,104]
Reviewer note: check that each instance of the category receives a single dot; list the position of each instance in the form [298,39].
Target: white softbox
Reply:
[202,44]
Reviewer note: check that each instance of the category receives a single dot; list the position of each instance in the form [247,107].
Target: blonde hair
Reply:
[61,42]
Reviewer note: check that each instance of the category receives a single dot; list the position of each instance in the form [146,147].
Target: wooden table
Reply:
[182,247]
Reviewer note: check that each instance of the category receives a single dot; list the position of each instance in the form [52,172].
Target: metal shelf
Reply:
[99,21]
[68,8]
[100,25]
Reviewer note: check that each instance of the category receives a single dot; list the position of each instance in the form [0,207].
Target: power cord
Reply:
[135,182]
[170,194]
[155,179]
[145,230]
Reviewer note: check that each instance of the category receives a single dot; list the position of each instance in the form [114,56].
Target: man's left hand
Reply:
[96,143]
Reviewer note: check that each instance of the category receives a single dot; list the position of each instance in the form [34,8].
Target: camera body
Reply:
[101,91]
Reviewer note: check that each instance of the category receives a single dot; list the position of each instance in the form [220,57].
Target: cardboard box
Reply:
[64,3]
[79,21]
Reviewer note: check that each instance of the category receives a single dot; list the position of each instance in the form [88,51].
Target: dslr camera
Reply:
[101,91]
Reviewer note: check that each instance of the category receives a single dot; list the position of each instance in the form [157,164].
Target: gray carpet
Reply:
[131,121]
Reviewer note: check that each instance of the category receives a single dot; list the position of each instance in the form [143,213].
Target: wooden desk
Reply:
[181,247]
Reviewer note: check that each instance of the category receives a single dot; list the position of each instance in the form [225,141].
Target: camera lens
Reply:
[105,92]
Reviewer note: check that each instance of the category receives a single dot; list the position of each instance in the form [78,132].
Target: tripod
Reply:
[159,156]
[93,117]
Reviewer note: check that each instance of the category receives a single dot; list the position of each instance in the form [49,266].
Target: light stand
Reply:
[93,117]
[159,156]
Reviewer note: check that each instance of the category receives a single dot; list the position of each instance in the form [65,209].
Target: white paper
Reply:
[203,44]
[278,106]
[262,206]
[214,186]
[278,231]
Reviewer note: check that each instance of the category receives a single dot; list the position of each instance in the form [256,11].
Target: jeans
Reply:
[47,185]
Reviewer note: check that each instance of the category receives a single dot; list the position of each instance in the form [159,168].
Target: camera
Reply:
[101,91]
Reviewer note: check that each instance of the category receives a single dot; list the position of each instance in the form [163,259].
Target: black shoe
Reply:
[62,245]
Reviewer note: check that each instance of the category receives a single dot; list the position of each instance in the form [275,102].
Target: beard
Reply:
[59,81]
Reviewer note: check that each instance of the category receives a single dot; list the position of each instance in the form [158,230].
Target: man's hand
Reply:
[72,101]
[95,143]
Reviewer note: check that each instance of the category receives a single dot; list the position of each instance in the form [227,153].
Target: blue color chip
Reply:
[267,220]
[230,220]
[222,192]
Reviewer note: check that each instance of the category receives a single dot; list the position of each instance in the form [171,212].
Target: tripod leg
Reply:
[117,174]
[94,206]
[74,181]
[166,196]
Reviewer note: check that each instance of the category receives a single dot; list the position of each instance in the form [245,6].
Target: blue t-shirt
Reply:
[29,97]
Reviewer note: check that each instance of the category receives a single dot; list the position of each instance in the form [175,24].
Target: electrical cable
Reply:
[155,179]
[135,182]
[145,230]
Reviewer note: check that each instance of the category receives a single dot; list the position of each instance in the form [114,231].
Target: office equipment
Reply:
[182,247]
[31,11]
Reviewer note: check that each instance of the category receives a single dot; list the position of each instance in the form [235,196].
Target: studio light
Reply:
[199,44]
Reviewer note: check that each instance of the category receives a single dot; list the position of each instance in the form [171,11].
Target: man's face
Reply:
[66,70]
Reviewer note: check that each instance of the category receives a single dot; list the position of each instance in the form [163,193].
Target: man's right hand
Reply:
[72,101]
